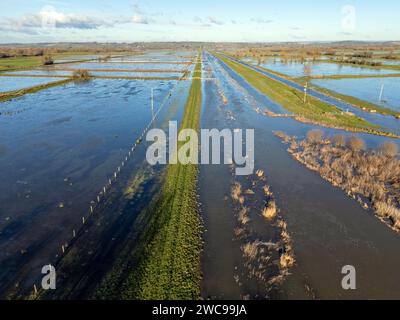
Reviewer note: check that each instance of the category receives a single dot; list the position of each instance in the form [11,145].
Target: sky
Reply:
[28,21]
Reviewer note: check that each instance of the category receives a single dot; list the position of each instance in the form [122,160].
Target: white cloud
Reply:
[50,18]
[138,18]
[214,20]
[261,20]
[198,19]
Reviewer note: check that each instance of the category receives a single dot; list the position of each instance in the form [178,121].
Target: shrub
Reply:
[356,144]
[315,136]
[286,261]
[47,60]
[270,211]
[389,149]
[81,75]
[339,140]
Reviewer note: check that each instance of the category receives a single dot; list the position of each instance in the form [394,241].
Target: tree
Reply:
[356,144]
[47,60]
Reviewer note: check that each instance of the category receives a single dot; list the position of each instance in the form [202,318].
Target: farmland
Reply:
[78,192]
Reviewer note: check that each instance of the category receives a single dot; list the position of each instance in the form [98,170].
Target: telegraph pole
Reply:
[305,92]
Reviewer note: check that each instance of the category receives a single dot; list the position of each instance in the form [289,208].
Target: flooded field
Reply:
[368,89]
[101,72]
[17,83]
[77,192]
[297,69]
[58,149]
[157,56]
[124,66]
[73,58]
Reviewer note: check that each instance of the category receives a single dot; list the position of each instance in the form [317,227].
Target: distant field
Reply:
[292,100]
[19,63]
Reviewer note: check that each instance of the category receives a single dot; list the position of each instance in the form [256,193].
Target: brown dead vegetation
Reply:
[267,261]
[371,177]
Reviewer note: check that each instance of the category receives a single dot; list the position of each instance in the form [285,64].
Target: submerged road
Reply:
[329,230]
[388,122]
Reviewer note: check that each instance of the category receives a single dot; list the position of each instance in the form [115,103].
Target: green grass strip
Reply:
[170,267]
[292,100]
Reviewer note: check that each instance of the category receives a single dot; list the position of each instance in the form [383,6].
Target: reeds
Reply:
[81,75]
[371,177]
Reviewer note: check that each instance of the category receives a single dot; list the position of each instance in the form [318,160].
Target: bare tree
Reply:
[356,144]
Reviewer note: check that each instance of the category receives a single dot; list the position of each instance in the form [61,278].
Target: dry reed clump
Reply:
[262,260]
[250,250]
[257,258]
[81,75]
[388,211]
[267,191]
[282,135]
[270,211]
[243,216]
[47,60]
[286,261]
[371,177]
[236,191]
[260,173]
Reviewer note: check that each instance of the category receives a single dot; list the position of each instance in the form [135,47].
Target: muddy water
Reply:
[59,147]
[329,230]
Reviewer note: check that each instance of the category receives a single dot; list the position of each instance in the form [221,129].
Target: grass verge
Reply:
[17,93]
[170,263]
[358,103]
[313,111]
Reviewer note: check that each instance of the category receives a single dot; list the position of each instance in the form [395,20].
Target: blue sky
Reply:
[205,20]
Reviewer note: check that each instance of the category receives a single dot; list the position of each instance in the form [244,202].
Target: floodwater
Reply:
[329,230]
[50,73]
[16,83]
[368,89]
[58,148]
[125,66]
[297,69]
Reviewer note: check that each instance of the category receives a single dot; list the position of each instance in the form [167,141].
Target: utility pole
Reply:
[381,94]
[305,92]
[152,104]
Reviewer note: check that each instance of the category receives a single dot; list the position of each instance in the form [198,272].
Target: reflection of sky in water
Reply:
[100,73]
[366,89]
[80,132]
[75,58]
[296,69]
[17,83]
